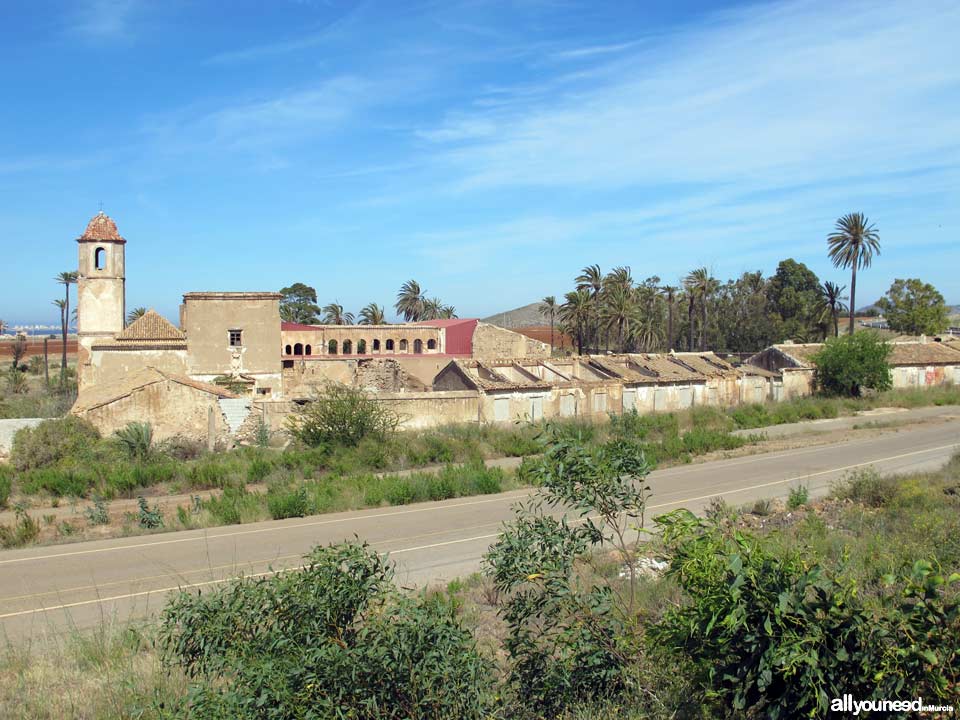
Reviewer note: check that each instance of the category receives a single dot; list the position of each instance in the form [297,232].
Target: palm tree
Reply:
[831,304]
[3,326]
[447,312]
[135,315]
[334,314]
[591,280]
[372,314]
[411,301]
[852,245]
[575,314]
[548,308]
[701,285]
[619,310]
[669,293]
[66,279]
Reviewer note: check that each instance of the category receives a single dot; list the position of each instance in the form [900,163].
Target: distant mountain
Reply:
[526,316]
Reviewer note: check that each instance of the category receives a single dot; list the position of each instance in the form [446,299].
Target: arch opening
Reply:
[298,349]
[332,347]
[100,258]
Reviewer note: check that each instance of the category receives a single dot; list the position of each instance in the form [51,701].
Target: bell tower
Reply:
[101,288]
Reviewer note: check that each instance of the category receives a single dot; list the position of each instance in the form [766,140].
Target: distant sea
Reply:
[36,330]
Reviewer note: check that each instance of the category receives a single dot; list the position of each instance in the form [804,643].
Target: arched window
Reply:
[347,347]
[361,347]
[431,344]
[403,345]
[376,346]
[308,350]
[389,345]
[332,347]
[289,350]
[298,349]
[100,258]
[418,346]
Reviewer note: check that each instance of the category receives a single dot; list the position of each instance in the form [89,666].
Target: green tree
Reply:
[135,315]
[851,364]
[831,304]
[590,280]
[852,245]
[548,308]
[794,292]
[298,304]
[575,314]
[701,286]
[411,301]
[372,314]
[670,295]
[66,279]
[334,314]
[915,308]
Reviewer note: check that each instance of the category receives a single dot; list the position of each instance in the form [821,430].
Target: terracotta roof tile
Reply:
[151,326]
[101,227]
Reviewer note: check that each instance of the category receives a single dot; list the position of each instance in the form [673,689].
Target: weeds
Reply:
[799,496]
[97,514]
[23,531]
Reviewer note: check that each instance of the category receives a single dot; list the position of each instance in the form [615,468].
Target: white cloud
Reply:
[100,20]
[766,97]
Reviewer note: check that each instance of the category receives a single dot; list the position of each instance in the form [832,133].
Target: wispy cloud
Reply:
[788,94]
[98,20]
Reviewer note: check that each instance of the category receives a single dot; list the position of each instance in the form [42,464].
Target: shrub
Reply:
[282,503]
[148,518]
[136,439]
[6,484]
[849,364]
[331,640]
[57,482]
[258,469]
[867,487]
[97,513]
[564,637]
[234,506]
[777,637]
[23,531]
[341,415]
[52,441]
[798,497]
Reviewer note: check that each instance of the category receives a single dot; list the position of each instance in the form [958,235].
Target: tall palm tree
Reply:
[852,245]
[548,308]
[135,315]
[372,314]
[66,279]
[411,301]
[447,312]
[334,314]
[591,280]
[701,285]
[831,304]
[576,313]
[669,293]
[620,311]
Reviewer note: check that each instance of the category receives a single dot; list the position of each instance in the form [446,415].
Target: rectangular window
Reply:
[236,338]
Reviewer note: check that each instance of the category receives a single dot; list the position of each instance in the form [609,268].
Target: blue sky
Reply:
[487,149]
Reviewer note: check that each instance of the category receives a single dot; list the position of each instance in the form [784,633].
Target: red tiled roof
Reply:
[101,227]
[284,325]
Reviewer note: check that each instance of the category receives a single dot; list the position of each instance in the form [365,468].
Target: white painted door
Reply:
[629,399]
[536,408]
[501,409]
[568,406]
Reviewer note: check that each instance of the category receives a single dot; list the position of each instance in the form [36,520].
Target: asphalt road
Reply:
[49,589]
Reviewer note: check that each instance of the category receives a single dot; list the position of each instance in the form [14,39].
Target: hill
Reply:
[525,316]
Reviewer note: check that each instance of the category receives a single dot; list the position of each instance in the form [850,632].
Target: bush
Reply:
[867,487]
[57,482]
[148,518]
[849,364]
[23,531]
[341,415]
[331,640]
[52,441]
[798,497]
[283,503]
[235,506]
[136,439]
[6,484]
[97,514]
[566,638]
[776,637]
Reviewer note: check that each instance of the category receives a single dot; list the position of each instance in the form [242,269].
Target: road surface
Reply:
[48,589]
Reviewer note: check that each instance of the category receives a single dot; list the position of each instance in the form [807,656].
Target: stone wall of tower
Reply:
[101,298]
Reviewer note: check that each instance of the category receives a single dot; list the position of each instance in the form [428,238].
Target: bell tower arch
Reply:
[101,287]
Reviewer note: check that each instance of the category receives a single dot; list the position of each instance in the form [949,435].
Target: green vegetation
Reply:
[915,308]
[341,415]
[852,364]
[853,594]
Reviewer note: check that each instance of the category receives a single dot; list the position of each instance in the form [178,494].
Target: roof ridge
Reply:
[151,326]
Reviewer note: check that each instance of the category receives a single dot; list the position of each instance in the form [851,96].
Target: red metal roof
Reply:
[459,333]
[297,326]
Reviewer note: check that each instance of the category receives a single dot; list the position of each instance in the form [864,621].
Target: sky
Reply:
[489,150]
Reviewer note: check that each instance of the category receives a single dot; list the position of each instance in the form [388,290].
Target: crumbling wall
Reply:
[172,409]
[490,341]
[384,375]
